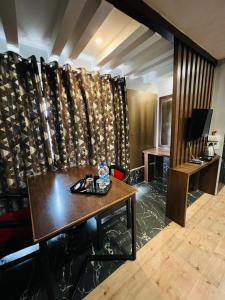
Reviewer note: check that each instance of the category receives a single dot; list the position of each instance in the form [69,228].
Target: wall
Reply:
[192,88]
[218,103]
[218,119]
[142,115]
[164,87]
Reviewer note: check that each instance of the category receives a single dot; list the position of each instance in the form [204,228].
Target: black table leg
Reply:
[133,226]
[112,257]
[123,257]
[48,280]
[128,213]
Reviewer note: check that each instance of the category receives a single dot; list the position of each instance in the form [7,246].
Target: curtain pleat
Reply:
[90,85]
[88,116]
[65,118]
[78,116]
[121,125]
[24,141]
[108,119]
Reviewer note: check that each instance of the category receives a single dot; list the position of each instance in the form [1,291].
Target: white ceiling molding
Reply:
[96,21]
[9,22]
[128,36]
[69,21]
[140,60]
[134,48]
[154,63]
[203,21]
[140,48]
[157,67]
[85,33]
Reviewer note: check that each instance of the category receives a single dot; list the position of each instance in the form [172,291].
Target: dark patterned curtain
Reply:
[24,142]
[87,116]
[69,118]
[122,151]
[97,93]
[66,115]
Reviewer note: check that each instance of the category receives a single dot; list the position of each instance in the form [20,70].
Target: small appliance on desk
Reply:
[197,127]
[209,150]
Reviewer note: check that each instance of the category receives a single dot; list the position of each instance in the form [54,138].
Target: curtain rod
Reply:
[29,59]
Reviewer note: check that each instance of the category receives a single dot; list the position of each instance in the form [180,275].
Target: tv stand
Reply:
[178,184]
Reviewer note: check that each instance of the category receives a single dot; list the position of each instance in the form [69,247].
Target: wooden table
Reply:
[54,208]
[178,184]
[153,153]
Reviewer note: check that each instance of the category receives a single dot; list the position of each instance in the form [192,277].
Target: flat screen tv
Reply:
[199,123]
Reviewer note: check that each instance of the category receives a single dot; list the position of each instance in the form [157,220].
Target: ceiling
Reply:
[203,21]
[85,33]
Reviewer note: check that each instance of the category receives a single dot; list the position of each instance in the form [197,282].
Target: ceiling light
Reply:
[12,47]
[98,41]
[53,58]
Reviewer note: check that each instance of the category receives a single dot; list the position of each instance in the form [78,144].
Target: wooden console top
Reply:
[190,168]
[158,151]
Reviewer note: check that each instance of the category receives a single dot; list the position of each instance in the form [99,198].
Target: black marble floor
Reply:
[69,250]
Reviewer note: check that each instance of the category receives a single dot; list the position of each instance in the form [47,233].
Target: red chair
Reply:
[104,218]
[15,232]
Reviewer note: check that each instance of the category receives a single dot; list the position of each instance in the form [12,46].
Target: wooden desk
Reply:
[153,152]
[54,208]
[178,184]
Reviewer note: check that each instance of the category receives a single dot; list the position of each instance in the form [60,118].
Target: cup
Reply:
[90,184]
[100,186]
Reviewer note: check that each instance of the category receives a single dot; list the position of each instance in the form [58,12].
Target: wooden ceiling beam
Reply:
[157,68]
[9,21]
[68,23]
[136,48]
[158,61]
[124,42]
[90,28]
[140,61]
[143,13]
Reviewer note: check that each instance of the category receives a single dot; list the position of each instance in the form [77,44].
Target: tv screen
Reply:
[199,123]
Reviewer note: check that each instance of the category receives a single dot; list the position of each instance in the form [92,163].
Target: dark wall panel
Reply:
[142,113]
[192,88]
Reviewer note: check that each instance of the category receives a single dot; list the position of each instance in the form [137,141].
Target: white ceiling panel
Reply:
[203,21]
[85,33]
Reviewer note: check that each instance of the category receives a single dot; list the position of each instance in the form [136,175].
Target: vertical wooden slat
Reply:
[182,105]
[203,104]
[195,102]
[193,83]
[175,103]
[211,86]
[185,105]
[208,87]
[190,86]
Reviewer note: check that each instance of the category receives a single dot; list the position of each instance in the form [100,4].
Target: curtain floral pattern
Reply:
[98,97]
[78,115]
[122,151]
[64,118]
[24,141]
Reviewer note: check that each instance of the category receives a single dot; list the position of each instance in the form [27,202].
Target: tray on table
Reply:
[88,192]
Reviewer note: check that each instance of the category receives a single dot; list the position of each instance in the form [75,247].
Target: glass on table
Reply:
[90,184]
[100,185]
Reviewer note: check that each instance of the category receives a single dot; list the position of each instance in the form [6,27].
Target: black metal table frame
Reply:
[44,259]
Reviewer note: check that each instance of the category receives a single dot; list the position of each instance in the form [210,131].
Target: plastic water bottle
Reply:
[103,173]
[106,174]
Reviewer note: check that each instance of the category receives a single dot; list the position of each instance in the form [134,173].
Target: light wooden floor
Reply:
[179,263]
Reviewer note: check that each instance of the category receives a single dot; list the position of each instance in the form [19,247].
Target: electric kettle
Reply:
[209,150]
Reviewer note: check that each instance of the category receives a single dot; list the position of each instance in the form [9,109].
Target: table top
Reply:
[54,208]
[190,168]
[158,151]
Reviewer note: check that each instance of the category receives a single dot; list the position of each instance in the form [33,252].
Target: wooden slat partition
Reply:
[192,88]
